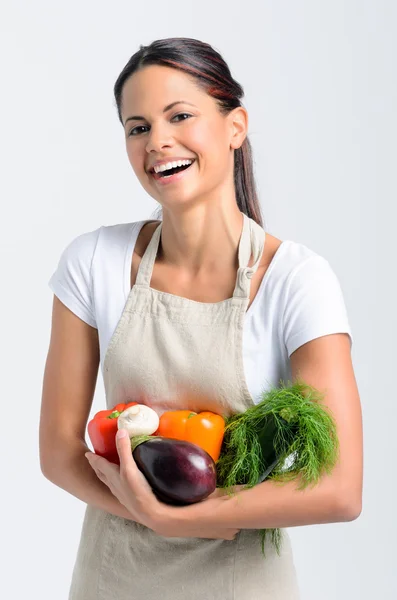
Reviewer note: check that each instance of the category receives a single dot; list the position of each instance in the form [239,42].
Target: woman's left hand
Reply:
[127,483]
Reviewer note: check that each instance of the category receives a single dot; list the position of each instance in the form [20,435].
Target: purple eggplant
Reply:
[178,472]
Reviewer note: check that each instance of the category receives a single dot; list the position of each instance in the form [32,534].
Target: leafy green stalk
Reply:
[304,433]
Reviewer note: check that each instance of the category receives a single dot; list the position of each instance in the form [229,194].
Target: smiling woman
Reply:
[211,132]
[202,310]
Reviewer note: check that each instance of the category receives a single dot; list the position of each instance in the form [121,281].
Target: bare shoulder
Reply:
[272,244]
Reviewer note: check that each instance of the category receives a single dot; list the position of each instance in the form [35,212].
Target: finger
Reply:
[101,475]
[123,444]
[100,463]
[91,457]
[104,473]
[97,462]
[128,467]
[94,463]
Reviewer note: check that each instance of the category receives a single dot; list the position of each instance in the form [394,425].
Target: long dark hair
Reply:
[206,65]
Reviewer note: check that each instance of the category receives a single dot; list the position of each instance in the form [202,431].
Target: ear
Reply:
[238,119]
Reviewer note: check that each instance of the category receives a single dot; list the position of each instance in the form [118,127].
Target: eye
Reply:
[134,129]
[132,132]
[180,115]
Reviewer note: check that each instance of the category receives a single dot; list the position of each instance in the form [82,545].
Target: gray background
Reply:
[320,84]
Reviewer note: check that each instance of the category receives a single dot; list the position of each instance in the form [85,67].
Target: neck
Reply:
[201,240]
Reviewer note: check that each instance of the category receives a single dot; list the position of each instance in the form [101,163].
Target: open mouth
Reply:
[171,172]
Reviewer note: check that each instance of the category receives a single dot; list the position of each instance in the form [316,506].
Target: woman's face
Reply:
[193,129]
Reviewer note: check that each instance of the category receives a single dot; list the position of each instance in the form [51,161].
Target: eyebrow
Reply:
[168,107]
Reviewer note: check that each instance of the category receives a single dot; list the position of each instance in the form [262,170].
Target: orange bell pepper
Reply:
[102,430]
[206,429]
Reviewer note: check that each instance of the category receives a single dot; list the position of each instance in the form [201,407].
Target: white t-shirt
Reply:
[299,299]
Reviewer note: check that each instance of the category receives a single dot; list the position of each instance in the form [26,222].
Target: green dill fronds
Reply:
[292,425]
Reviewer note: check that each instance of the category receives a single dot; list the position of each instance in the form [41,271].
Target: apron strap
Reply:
[146,265]
[252,241]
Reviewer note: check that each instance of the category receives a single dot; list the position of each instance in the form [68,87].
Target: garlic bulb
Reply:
[138,419]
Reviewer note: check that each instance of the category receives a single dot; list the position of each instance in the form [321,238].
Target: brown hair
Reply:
[199,60]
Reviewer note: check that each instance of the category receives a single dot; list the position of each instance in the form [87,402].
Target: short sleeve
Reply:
[71,282]
[314,305]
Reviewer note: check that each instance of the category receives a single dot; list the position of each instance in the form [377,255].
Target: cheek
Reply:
[134,156]
[200,137]
[208,142]
[137,158]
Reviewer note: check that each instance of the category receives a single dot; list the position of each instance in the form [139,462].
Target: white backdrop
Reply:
[321,91]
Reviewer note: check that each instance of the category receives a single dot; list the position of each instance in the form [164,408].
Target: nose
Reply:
[158,138]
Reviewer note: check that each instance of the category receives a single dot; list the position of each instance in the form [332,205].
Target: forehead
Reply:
[153,87]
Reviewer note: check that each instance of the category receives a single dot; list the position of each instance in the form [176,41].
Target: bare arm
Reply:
[70,377]
[325,363]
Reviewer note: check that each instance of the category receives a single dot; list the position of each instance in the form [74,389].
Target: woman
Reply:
[200,310]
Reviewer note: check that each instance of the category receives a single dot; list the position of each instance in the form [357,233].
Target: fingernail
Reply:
[121,433]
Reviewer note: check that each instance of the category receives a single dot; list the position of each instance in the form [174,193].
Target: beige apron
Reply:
[171,352]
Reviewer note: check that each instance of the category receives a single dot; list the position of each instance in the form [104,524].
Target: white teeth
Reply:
[172,165]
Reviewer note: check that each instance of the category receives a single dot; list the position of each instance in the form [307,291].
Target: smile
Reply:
[178,173]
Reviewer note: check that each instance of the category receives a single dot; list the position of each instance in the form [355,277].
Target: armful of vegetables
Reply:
[186,455]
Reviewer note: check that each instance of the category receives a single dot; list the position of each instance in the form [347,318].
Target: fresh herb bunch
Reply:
[289,425]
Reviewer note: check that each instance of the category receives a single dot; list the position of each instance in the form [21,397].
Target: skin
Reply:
[198,259]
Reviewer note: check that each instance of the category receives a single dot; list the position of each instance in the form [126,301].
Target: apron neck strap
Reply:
[146,265]
[252,241]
